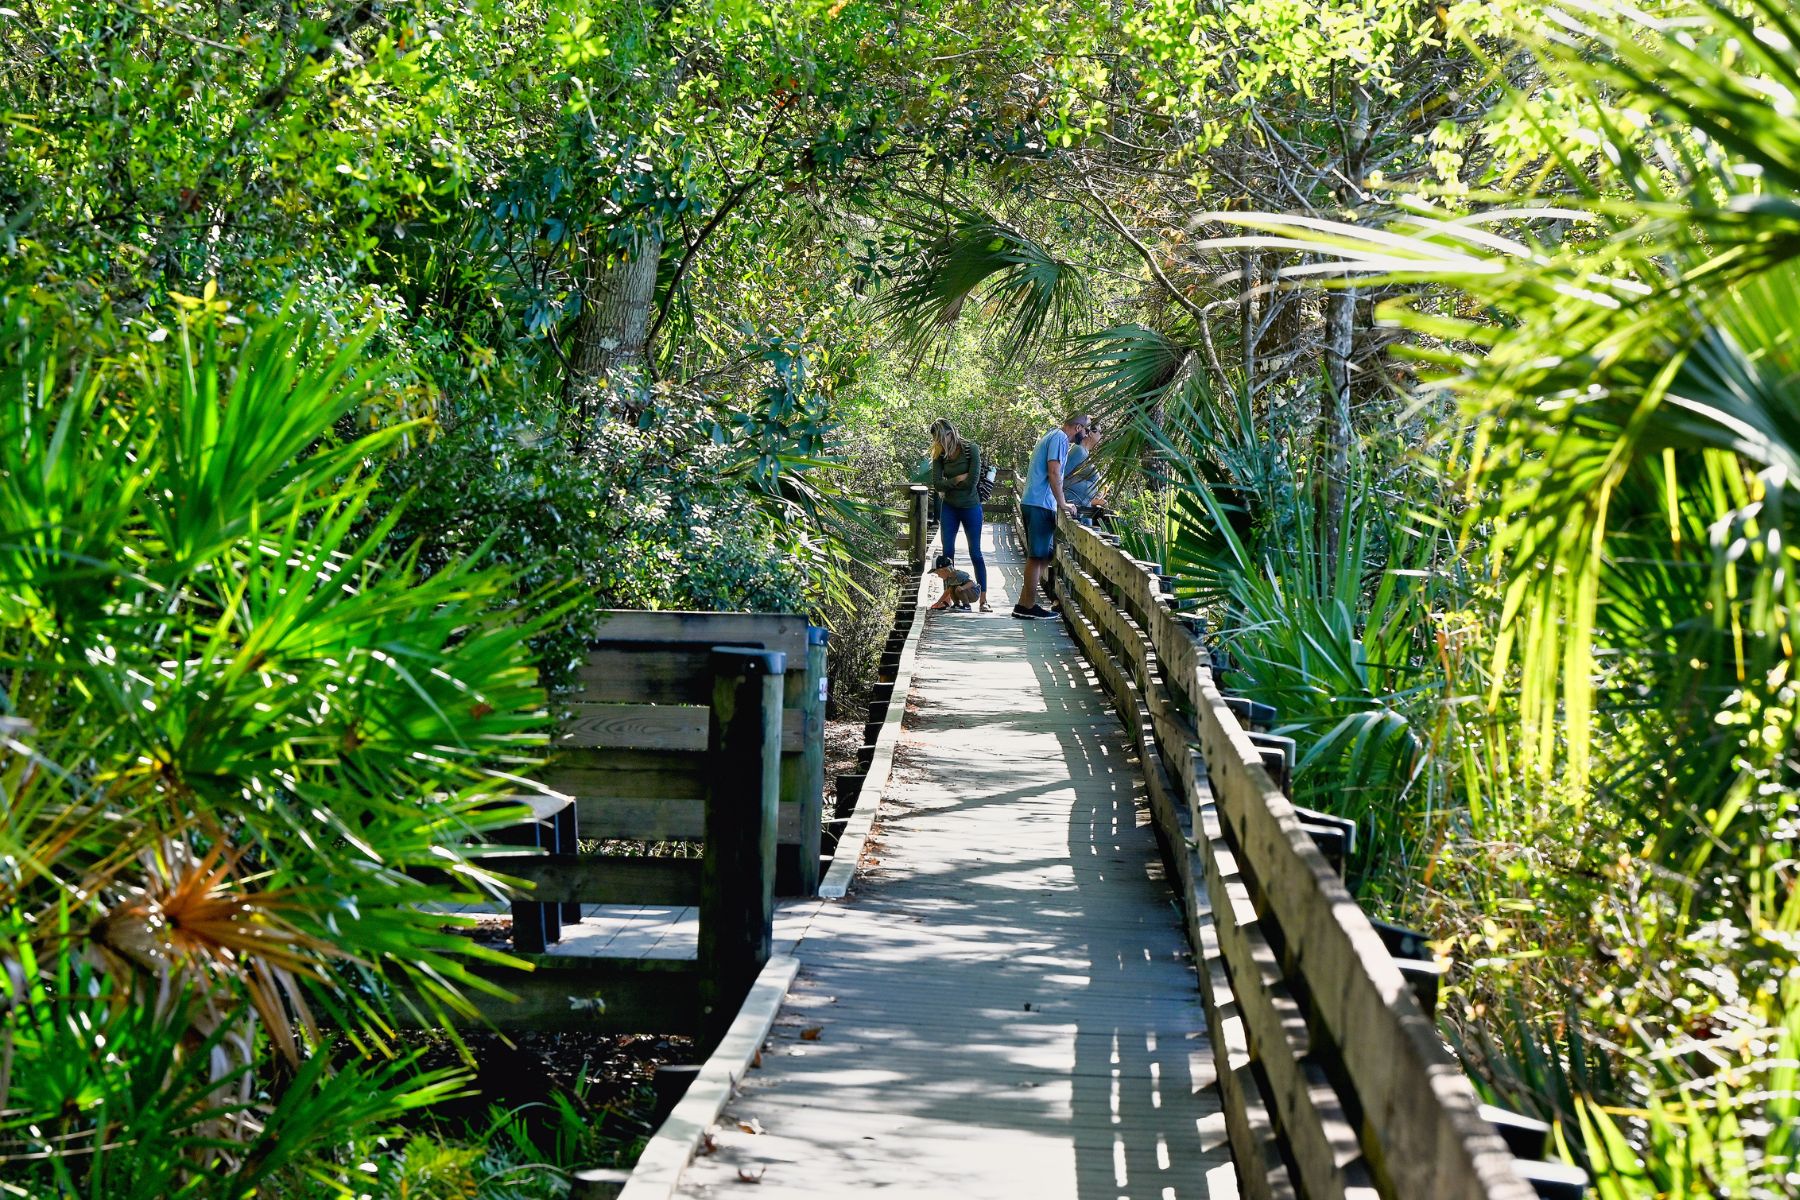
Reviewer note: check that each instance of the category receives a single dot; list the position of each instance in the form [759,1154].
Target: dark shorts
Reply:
[1040,531]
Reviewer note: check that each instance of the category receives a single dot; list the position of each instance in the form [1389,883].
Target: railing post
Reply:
[568,841]
[535,925]
[918,524]
[812,758]
[743,791]
[797,867]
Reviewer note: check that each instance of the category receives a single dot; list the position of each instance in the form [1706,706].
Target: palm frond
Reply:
[1017,280]
[1136,381]
[1663,333]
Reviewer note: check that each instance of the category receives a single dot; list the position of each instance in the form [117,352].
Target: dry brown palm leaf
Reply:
[189,926]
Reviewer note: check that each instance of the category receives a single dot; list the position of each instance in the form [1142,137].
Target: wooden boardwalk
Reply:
[1005,1006]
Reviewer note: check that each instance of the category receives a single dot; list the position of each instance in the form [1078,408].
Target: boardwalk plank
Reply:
[1005,1005]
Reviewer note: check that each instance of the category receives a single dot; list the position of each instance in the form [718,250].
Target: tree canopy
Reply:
[363,352]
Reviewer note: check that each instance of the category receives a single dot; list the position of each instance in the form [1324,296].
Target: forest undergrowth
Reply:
[360,356]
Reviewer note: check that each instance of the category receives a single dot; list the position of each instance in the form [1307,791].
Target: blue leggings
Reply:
[970,519]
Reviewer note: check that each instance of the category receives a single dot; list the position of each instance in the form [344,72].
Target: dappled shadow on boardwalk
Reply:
[1005,1007]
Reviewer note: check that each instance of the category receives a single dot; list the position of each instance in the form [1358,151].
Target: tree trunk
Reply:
[1249,314]
[607,345]
[1335,429]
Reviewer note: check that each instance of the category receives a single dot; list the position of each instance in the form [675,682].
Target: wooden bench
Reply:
[551,829]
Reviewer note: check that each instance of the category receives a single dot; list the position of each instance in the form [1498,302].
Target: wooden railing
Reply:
[1334,1079]
[915,524]
[628,745]
[727,722]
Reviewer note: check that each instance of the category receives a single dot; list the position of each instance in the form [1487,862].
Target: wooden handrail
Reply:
[1335,1081]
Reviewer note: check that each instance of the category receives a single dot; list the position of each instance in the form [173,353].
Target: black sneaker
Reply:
[1034,613]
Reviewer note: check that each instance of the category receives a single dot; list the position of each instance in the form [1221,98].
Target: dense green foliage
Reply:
[1532,624]
[234,731]
[657,518]
[1630,572]
[364,353]
[316,313]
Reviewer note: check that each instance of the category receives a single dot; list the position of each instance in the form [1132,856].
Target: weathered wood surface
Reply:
[600,879]
[732,885]
[1217,906]
[658,1171]
[661,820]
[918,524]
[639,712]
[626,774]
[737,881]
[768,631]
[804,772]
[668,727]
[631,987]
[1331,993]
[1005,1005]
[658,931]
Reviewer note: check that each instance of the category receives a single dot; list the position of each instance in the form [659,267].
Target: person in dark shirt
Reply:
[1081,480]
[955,476]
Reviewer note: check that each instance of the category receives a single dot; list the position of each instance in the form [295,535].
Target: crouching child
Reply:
[960,591]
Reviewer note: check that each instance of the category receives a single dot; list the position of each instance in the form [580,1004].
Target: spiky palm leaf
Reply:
[1136,380]
[1015,279]
[235,733]
[1636,421]
[1329,642]
[1662,340]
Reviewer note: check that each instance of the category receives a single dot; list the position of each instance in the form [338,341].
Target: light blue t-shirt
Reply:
[1052,447]
[1079,487]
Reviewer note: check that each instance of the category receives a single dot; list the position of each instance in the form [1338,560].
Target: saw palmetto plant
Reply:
[1630,365]
[234,735]
[1341,646]
[1035,296]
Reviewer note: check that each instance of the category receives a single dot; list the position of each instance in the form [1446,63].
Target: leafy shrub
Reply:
[234,729]
[647,516]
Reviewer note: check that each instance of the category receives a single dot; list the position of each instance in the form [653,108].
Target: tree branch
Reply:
[1112,218]
[692,250]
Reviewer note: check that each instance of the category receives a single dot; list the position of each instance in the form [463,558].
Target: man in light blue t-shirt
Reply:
[1039,504]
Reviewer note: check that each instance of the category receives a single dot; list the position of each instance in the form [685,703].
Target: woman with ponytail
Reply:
[955,475]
